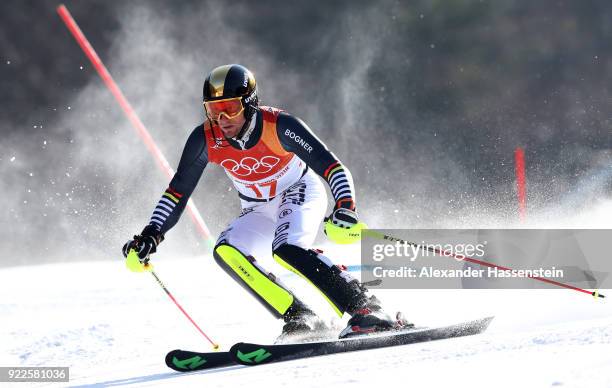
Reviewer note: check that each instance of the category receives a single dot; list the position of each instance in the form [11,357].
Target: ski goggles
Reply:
[229,107]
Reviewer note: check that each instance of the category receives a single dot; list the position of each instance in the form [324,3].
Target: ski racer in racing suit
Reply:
[274,161]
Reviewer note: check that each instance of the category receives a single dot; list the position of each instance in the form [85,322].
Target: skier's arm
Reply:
[190,168]
[296,137]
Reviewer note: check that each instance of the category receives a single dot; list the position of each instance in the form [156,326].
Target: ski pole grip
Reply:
[133,263]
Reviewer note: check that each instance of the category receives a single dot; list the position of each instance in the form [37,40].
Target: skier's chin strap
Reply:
[245,132]
[241,138]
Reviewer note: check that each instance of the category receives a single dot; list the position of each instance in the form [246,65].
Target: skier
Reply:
[272,159]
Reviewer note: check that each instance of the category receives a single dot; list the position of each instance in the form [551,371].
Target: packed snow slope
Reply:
[113,328]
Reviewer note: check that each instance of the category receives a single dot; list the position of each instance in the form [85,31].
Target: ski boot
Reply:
[370,318]
[301,323]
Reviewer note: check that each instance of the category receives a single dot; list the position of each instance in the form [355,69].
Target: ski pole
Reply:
[383,236]
[134,265]
[214,345]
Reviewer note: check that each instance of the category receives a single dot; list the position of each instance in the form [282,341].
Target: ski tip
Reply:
[169,356]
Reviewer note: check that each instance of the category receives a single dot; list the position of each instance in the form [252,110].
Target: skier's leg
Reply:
[299,217]
[343,292]
[233,253]
[300,212]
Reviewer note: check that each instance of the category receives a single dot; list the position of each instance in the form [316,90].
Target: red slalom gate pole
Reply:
[519,169]
[130,113]
[382,236]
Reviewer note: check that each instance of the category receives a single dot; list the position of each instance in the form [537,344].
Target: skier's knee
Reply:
[227,255]
[296,255]
[218,256]
[286,249]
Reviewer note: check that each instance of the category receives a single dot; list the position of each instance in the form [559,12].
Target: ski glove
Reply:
[344,218]
[144,244]
[343,226]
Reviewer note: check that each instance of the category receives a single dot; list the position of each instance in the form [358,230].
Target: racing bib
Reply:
[262,171]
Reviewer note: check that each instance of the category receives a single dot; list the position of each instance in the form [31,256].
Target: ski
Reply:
[187,361]
[255,354]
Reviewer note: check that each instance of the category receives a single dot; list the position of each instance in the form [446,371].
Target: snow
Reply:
[113,328]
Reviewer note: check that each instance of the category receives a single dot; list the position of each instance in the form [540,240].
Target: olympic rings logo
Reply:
[249,165]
